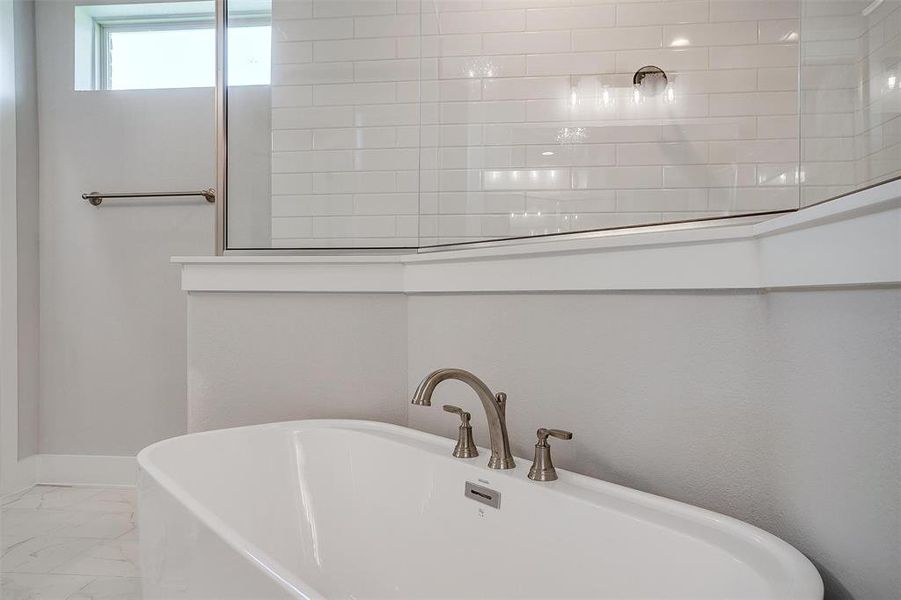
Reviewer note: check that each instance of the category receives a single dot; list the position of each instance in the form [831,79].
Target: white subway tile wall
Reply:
[850,97]
[405,123]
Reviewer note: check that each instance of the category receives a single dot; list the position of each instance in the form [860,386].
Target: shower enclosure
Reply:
[426,123]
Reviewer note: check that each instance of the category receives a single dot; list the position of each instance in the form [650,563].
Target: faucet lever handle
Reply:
[466,447]
[557,433]
[543,467]
[464,416]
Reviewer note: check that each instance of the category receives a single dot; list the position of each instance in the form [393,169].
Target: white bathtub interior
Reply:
[351,509]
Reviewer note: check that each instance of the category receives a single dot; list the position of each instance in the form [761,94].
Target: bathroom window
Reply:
[165,46]
[157,57]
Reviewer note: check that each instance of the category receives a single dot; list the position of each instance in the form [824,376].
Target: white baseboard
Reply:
[70,469]
[86,469]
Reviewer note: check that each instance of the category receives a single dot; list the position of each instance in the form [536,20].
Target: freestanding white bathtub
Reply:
[353,509]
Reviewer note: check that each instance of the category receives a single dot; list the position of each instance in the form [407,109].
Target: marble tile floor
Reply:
[69,543]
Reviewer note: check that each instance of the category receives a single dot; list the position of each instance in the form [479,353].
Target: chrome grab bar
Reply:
[95,198]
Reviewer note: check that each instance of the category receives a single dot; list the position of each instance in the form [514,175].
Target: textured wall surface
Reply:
[781,409]
[255,358]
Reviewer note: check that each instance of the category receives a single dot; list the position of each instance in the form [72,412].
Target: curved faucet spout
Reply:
[494,405]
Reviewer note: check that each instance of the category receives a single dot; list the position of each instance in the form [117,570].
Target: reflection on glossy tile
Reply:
[850,70]
[500,100]
[69,543]
[483,97]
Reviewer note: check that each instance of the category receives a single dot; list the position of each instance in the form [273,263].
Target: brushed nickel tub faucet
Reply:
[494,404]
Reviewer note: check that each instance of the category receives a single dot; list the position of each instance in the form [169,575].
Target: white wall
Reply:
[9,401]
[111,377]
[780,409]
[27,226]
[112,316]
[18,246]
[270,357]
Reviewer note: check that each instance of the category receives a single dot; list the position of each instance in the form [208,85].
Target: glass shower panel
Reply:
[851,96]
[410,123]
[327,156]
[249,39]
[345,124]
[532,122]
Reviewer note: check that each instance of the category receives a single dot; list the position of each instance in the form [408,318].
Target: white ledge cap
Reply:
[852,240]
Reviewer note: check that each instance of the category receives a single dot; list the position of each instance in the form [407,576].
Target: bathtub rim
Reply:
[807,582]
